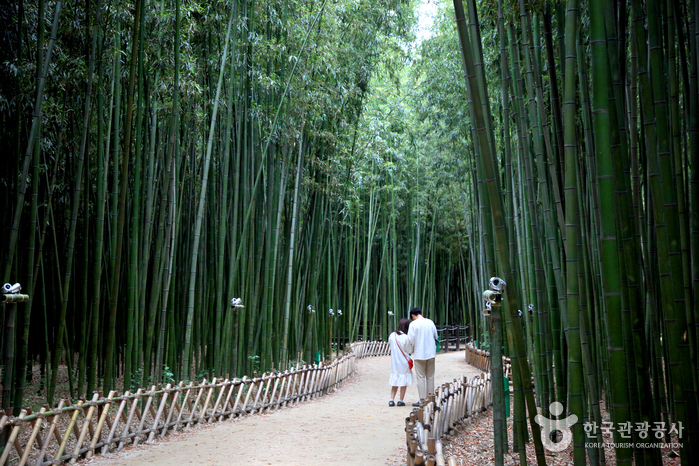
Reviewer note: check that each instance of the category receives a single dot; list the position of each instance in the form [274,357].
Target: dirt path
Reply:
[353,426]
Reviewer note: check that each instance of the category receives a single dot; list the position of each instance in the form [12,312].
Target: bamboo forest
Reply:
[206,189]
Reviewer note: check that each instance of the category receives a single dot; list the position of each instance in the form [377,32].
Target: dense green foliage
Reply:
[186,154]
[312,157]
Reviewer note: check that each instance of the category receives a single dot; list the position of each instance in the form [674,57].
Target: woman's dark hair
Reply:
[403,326]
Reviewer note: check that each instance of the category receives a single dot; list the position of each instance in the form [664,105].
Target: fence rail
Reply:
[480,359]
[451,336]
[67,433]
[455,402]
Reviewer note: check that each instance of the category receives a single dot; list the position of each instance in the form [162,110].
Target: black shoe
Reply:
[417,404]
[391,403]
[400,403]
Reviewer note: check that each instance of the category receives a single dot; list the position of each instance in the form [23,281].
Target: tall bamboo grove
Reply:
[588,135]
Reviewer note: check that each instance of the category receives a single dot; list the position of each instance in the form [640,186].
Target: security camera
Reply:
[11,289]
[237,303]
[497,284]
[492,297]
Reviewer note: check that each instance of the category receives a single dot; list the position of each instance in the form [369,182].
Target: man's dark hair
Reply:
[416,311]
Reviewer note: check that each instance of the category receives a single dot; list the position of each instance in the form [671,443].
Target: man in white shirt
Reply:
[423,334]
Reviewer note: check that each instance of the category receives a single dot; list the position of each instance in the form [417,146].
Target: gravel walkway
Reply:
[353,426]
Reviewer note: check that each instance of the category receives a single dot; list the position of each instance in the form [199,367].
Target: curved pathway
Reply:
[353,426]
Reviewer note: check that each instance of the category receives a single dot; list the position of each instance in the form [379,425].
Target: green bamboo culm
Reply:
[202,203]
[575,370]
[499,228]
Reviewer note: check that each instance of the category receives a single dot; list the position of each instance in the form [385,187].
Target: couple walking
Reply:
[416,336]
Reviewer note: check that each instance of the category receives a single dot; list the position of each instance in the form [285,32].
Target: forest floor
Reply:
[352,426]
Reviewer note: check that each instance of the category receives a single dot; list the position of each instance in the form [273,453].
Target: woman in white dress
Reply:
[401,375]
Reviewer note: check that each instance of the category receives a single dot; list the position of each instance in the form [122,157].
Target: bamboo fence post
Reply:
[139,431]
[241,388]
[193,408]
[327,373]
[305,375]
[163,403]
[173,408]
[284,385]
[120,412]
[289,387]
[227,403]
[265,392]
[308,388]
[300,388]
[13,436]
[32,438]
[318,386]
[260,384]
[315,382]
[298,380]
[86,425]
[66,436]
[247,395]
[100,424]
[52,429]
[277,382]
[225,384]
[212,387]
[185,402]
[132,411]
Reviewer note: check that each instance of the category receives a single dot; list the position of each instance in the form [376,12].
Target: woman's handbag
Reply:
[410,361]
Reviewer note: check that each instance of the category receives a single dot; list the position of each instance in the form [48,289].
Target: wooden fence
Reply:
[481,360]
[455,402]
[68,433]
[364,349]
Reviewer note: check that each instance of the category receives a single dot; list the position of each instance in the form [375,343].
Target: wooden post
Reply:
[193,408]
[100,424]
[132,411]
[13,437]
[173,409]
[86,425]
[32,438]
[218,399]
[163,402]
[139,431]
[212,387]
[66,436]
